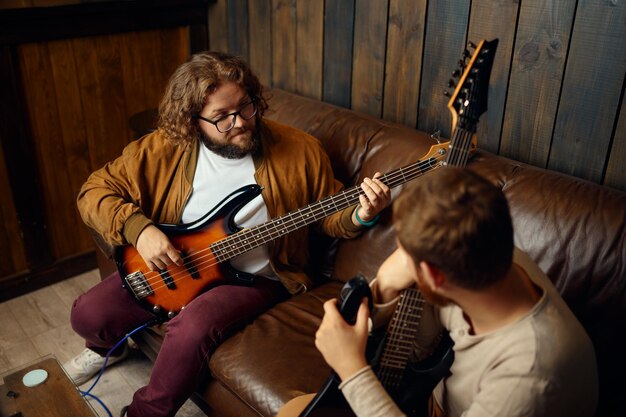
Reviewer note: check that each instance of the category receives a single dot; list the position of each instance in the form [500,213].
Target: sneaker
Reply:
[87,364]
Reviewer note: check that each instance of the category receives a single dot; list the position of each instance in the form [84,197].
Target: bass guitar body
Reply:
[167,292]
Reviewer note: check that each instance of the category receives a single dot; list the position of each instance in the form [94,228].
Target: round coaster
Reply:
[35,377]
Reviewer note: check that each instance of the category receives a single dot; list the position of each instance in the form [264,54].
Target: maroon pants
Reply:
[107,312]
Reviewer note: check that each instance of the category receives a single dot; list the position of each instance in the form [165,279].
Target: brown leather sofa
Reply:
[573,229]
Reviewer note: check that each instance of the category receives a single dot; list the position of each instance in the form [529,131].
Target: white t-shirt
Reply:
[215,178]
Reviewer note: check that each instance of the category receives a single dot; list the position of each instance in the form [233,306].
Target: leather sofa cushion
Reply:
[275,359]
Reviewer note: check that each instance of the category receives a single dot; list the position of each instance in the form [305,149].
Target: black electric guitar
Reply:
[410,384]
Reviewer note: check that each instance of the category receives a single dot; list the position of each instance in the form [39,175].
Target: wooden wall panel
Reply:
[309,42]
[238,28]
[260,18]
[616,169]
[68,88]
[494,19]
[80,94]
[536,75]
[445,40]
[23,227]
[591,90]
[103,94]
[175,49]
[284,44]
[555,87]
[338,37]
[11,240]
[42,99]
[72,130]
[218,26]
[403,68]
[368,67]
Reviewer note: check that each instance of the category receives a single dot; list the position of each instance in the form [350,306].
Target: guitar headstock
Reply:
[469,99]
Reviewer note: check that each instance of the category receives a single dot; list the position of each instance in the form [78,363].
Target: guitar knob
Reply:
[170,314]
[156,308]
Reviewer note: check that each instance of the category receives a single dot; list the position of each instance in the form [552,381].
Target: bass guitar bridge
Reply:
[138,284]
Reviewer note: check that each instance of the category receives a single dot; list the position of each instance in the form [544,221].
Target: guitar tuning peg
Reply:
[471,44]
[451,83]
[456,73]
[446,93]
[466,54]
[461,63]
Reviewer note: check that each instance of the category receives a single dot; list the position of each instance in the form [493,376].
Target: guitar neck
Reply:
[401,334]
[256,236]
[460,147]
[459,151]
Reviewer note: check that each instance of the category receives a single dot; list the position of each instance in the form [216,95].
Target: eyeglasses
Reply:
[225,123]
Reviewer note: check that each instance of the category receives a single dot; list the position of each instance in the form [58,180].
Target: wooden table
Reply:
[57,396]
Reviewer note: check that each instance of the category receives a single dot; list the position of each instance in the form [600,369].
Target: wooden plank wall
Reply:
[80,94]
[72,73]
[556,98]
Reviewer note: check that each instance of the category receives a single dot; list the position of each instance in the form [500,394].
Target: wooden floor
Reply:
[37,324]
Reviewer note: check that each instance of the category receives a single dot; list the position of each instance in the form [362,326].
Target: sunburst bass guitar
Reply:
[207,245]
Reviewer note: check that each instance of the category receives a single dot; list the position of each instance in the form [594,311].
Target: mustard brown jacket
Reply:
[152,180]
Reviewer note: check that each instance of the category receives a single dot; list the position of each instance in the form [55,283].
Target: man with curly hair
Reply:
[211,139]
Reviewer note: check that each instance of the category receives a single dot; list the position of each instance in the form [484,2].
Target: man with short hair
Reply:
[211,140]
[519,350]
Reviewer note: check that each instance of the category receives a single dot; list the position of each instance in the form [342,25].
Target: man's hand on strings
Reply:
[156,249]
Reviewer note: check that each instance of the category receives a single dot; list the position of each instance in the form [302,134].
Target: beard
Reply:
[231,150]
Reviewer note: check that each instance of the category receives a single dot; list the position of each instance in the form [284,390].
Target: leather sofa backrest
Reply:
[575,230]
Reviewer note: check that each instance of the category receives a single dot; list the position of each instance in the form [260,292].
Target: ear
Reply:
[433,277]
[407,261]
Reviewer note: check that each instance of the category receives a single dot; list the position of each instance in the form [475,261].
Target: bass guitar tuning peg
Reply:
[446,93]
[471,44]
[451,83]
[456,73]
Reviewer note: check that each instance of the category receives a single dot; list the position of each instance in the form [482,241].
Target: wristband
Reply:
[363,223]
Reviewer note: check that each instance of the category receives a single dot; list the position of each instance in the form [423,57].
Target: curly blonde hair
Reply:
[191,83]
